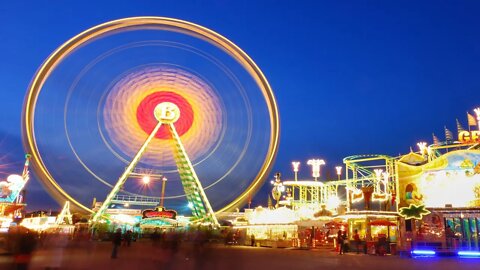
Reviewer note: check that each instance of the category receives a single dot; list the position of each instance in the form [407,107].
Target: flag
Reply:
[459,127]
[471,120]
[436,141]
[448,135]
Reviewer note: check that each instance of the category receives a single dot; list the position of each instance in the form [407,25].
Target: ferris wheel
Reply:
[158,94]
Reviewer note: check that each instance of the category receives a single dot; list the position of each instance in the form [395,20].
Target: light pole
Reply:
[316,163]
[164,182]
[296,166]
[339,171]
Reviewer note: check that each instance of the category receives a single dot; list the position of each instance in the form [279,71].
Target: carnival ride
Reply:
[62,223]
[154,93]
[11,199]
[367,178]
[407,199]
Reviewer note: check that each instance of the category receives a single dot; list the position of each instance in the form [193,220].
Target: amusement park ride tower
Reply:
[168,113]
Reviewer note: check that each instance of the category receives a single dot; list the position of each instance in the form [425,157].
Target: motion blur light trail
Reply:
[90,107]
[200,123]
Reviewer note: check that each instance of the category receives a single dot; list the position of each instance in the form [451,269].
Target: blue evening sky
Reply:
[350,77]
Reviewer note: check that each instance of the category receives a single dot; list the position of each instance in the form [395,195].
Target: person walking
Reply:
[340,242]
[344,242]
[127,241]
[450,235]
[356,238]
[117,241]
[24,244]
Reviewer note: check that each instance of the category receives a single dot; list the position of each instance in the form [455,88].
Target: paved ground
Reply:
[143,255]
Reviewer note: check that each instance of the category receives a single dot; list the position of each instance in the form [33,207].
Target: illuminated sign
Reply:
[413,211]
[10,188]
[469,136]
[149,213]
[452,179]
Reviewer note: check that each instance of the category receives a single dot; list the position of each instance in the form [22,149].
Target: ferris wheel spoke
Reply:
[125,174]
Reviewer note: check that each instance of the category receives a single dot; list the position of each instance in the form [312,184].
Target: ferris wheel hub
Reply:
[167,112]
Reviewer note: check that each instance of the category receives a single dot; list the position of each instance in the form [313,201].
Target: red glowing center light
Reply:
[147,121]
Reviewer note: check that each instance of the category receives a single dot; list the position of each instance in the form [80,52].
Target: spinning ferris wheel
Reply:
[155,93]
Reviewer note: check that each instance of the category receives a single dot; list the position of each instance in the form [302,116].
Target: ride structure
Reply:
[162,94]
[11,199]
[62,223]
[167,114]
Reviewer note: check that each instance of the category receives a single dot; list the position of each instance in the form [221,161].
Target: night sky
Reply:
[350,77]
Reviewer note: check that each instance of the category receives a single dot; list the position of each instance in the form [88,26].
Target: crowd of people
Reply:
[21,242]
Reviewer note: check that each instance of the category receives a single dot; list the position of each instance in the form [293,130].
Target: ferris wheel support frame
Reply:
[167,113]
[125,175]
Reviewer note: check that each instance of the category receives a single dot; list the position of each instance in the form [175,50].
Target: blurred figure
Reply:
[117,241]
[356,238]
[127,240]
[22,243]
[340,242]
[229,238]
[202,252]
[381,245]
[155,238]
[450,235]
[55,242]
[345,242]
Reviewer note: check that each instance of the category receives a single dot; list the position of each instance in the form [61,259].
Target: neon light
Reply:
[413,211]
[469,253]
[423,252]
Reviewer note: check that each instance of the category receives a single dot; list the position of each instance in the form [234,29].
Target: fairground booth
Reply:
[442,193]
[426,199]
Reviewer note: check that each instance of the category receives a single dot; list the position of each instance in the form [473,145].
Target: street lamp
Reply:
[339,171]
[296,166]
[316,163]
[164,182]
[146,179]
